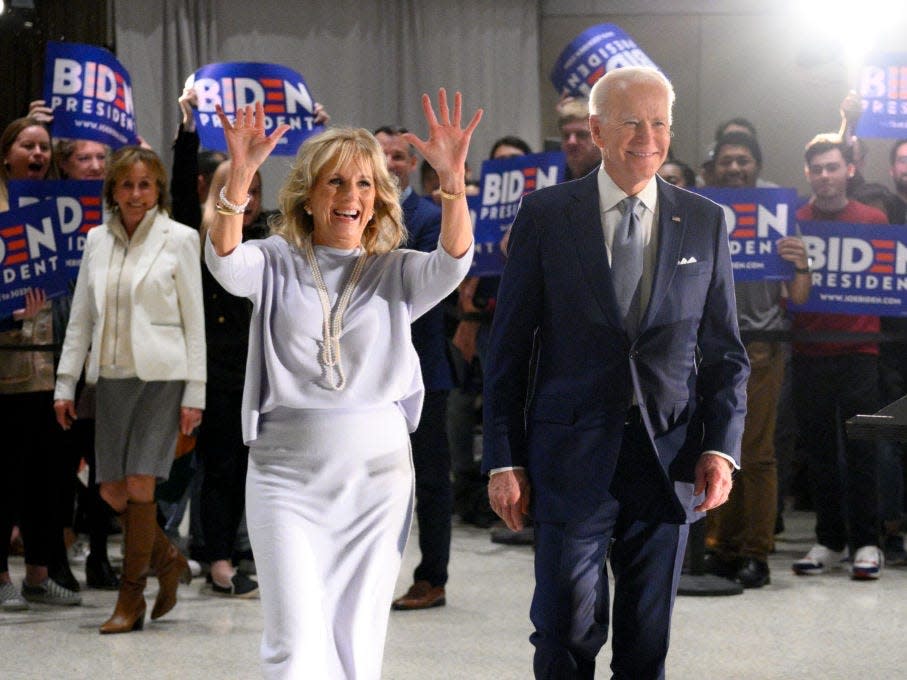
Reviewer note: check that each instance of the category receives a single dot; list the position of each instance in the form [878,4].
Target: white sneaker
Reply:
[50,592]
[10,598]
[820,559]
[867,563]
[78,552]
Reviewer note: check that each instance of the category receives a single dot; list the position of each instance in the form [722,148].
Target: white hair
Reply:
[623,77]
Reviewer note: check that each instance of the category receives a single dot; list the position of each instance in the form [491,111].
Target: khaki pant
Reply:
[745,525]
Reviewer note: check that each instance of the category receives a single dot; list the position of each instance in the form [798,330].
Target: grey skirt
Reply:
[136,427]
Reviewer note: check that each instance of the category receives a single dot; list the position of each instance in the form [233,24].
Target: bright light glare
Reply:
[855,29]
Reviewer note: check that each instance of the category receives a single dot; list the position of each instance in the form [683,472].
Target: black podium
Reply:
[888,423]
[694,581]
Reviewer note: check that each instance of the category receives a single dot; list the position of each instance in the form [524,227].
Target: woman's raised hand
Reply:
[247,142]
[448,143]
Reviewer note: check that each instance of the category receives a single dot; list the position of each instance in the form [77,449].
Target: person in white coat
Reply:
[137,315]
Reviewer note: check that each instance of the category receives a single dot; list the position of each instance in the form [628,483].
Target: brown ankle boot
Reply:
[139,522]
[171,568]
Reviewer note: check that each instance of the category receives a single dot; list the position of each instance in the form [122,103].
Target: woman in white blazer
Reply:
[137,316]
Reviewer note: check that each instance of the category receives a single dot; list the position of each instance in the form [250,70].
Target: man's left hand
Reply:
[713,476]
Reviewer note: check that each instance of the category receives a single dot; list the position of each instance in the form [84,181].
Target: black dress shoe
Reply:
[722,566]
[99,574]
[505,536]
[753,573]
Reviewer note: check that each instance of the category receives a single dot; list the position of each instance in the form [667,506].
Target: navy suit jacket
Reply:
[423,223]
[562,371]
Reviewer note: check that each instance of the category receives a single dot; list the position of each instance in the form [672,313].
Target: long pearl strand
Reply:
[332,326]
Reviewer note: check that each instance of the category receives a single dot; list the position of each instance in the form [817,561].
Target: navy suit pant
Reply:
[434,492]
[570,605]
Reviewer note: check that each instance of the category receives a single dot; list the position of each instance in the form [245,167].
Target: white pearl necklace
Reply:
[332,325]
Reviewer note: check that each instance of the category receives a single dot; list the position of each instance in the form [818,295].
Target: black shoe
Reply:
[722,566]
[62,574]
[503,535]
[753,573]
[99,573]
[241,586]
[779,524]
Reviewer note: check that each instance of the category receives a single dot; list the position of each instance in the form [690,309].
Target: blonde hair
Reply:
[332,149]
[570,109]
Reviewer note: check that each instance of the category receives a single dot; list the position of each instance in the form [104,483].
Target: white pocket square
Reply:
[687,260]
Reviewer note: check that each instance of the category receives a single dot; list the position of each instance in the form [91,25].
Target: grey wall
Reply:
[367,62]
[759,60]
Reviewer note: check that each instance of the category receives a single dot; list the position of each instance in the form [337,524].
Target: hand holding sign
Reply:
[188,101]
[34,301]
[41,112]
[792,249]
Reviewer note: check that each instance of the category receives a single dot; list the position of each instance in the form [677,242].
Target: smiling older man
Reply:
[615,390]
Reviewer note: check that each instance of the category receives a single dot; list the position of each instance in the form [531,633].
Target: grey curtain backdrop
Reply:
[366,62]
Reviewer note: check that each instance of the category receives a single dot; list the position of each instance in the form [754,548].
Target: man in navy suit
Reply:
[621,421]
[431,456]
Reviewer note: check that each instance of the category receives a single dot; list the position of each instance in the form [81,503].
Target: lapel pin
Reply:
[676,218]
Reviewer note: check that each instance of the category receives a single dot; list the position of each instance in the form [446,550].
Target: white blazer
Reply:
[167,320]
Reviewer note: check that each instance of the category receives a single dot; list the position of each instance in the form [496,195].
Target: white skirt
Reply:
[329,500]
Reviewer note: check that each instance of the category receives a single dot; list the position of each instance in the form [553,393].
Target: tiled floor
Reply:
[818,628]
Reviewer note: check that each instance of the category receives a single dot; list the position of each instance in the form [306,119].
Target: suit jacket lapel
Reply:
[100,266]
[670,237]
[154,242]
[585,224]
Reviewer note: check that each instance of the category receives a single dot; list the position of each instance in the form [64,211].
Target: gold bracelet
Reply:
[224,210]
[452,197]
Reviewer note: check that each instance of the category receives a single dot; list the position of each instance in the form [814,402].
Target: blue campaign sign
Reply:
[756,219]
[857,268]
[593,53]
[504,183]
[488,256]
[78,209]
[233,85]
[90,93]
[32,255]
[883,88]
